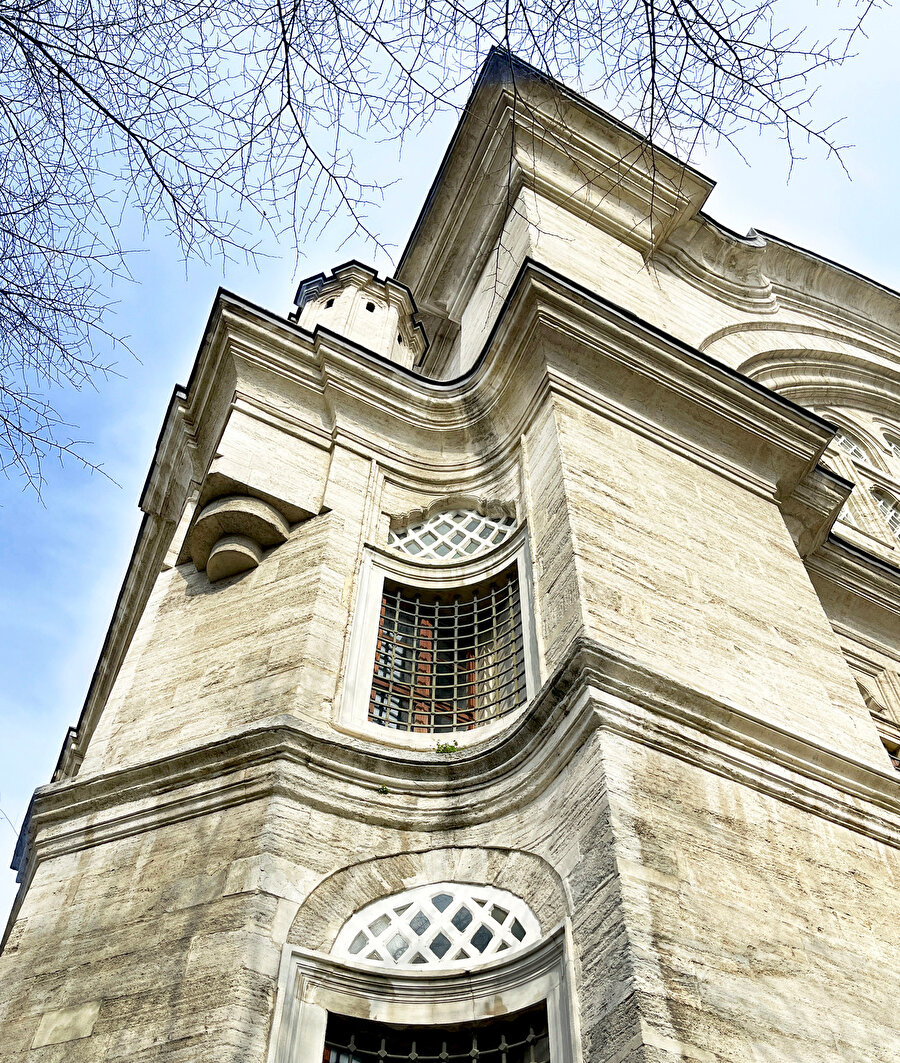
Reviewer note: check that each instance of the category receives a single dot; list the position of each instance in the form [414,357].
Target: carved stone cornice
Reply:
[767,276]
[812,509]
[522,130]
[859,573]
[595,690]
[552,338]
[722,264]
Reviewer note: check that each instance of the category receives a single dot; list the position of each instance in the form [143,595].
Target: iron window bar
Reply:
[518,1038]
[448,661]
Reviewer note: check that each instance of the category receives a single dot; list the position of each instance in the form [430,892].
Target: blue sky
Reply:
[63,561]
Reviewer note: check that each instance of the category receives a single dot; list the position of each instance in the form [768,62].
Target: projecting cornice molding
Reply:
[765,275]
[522,131]
[556,338]
[595,690]
[583,332]
[812,509]
[867,581]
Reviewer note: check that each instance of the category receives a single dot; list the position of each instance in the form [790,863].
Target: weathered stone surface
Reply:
[698,795]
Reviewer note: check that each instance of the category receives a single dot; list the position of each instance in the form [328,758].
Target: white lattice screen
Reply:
[890,509]
[455,534]
[849,446]
[445,924]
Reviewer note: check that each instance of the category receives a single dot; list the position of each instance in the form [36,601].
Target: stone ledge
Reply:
[596,690]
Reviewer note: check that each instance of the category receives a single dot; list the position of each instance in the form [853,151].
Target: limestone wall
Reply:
[706,920]
[697,793]
[210,658]
[698,578]
[758,932]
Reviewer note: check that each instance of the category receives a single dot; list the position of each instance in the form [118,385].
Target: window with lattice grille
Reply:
[890,510]
[455,534]
[448,660]
[850,446]
[446,924]
[513,1007]
[442,645]
[517,1038]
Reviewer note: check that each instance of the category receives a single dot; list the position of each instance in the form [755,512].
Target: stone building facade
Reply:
[508,668]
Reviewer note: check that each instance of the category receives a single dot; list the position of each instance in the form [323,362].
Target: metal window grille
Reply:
[452,535]
[450,661]
[846,515]
[849,446]
[890,510]
[518,1038]
[443,924]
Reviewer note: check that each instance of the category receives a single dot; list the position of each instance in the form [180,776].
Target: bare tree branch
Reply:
[218,118]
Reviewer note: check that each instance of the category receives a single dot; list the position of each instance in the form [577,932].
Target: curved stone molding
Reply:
[487,507]
[232,555]
[229,535]
[813,367]
[596,689]
[723,264]
[324,912]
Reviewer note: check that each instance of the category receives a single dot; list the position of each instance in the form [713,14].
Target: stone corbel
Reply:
[230,534]
[812,508]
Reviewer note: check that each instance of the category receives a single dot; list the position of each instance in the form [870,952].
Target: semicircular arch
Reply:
[811,366]
[852,435]
[349,889]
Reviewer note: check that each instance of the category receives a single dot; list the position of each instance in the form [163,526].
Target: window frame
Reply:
[312,985]
[439,662]
[380,563]
[888,509]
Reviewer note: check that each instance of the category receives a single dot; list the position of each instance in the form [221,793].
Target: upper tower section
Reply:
[353,302]
[536,173]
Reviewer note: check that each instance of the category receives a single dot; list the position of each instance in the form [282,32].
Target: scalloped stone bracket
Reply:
[230,534]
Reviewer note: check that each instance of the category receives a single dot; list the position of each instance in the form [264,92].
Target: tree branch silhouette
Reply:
[219,119]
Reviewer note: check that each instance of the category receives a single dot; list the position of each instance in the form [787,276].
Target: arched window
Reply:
[890,510]
[522,1037]
[850,446]
[448,660]
[442,640]
[508,1000]
[447,924]
[456,534]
